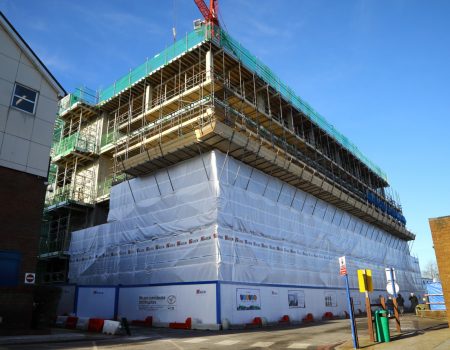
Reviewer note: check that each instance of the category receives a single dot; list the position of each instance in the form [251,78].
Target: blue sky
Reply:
[379,70]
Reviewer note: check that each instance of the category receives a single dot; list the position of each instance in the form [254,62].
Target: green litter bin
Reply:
[382,326]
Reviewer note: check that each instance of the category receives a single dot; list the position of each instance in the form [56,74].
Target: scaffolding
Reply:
[71,185]
[206,92]
[54,244]
[167,112]
[223,40]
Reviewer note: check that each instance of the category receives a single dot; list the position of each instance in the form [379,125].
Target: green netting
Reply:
[178,48]
[264,72]
[57,131]
[61,195]
[104,187]
[250,61]
[81,94]
[74,142]
[110,137]
[52,173]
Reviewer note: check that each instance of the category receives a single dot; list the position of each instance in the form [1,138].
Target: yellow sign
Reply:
[365,280]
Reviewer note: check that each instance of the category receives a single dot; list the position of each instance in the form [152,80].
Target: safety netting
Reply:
[215,218]
[233,47]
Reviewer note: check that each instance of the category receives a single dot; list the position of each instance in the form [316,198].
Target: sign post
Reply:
[392,288]
[366,286]
[343,272]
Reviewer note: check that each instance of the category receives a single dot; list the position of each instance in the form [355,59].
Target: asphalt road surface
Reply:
[328,335]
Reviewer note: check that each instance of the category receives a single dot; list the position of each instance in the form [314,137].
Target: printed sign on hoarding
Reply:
[157,302]
[296,298]
[248,299]
[330,299]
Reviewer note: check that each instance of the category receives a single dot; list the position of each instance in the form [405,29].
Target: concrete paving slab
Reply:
[195,340]
[262,344]
[299,346]
[228,342]
[422,334]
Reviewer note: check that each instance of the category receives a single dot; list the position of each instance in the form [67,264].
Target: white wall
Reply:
[197,301]
[25,139]
[96,302]
[66,300]
[273,302]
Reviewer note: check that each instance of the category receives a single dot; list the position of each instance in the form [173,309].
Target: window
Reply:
[24,98]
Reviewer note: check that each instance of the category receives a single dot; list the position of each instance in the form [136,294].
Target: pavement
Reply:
[417,333]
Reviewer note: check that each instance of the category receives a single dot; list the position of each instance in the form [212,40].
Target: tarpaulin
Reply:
[215,218]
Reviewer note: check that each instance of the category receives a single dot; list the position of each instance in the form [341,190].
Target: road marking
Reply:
[262,344]
[94,345]
[299,346]
[228,342]
[195,340]
[142,337]
[172,342]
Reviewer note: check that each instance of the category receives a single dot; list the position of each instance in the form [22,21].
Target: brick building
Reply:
[440,231]
[28,101]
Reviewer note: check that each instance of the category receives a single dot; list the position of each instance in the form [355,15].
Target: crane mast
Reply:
[209,14]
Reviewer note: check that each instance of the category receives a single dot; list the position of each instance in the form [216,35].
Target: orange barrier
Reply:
[96,325]
[328,316]
[285,319]
[148,322]
[71,322]
[309,318]
[256,323]
[181,325]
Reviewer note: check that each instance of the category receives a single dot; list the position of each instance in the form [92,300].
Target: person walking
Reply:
[414,302]
[390,306]
[400,303]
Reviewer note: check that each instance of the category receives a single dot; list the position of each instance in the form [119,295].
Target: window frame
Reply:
[34,102]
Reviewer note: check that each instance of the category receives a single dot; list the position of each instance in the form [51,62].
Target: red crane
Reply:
[210,14]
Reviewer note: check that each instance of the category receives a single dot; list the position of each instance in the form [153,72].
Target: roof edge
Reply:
[20,41]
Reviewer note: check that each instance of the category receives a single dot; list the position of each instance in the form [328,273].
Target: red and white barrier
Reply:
[71,322]
[257,322]
[285,319]
[61,321]
[96,325]
[111,327]
[309,318]
[83,323]
[182,325]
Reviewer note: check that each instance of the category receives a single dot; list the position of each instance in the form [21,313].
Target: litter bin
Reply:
[382,326]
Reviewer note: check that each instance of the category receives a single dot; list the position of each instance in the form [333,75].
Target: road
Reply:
[329,335]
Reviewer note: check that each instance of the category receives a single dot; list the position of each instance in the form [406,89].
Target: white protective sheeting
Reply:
[215,218]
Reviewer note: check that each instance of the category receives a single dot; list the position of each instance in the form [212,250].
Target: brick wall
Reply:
[21,205]
[440,231]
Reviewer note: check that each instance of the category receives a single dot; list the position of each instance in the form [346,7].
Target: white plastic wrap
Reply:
[215,218]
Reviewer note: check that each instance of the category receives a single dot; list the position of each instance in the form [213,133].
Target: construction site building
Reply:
[204,93]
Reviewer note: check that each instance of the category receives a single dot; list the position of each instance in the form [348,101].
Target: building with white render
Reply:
[28,104]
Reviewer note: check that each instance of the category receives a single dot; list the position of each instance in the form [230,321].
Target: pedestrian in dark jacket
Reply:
[400,303]
[414,302]
[390,306]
